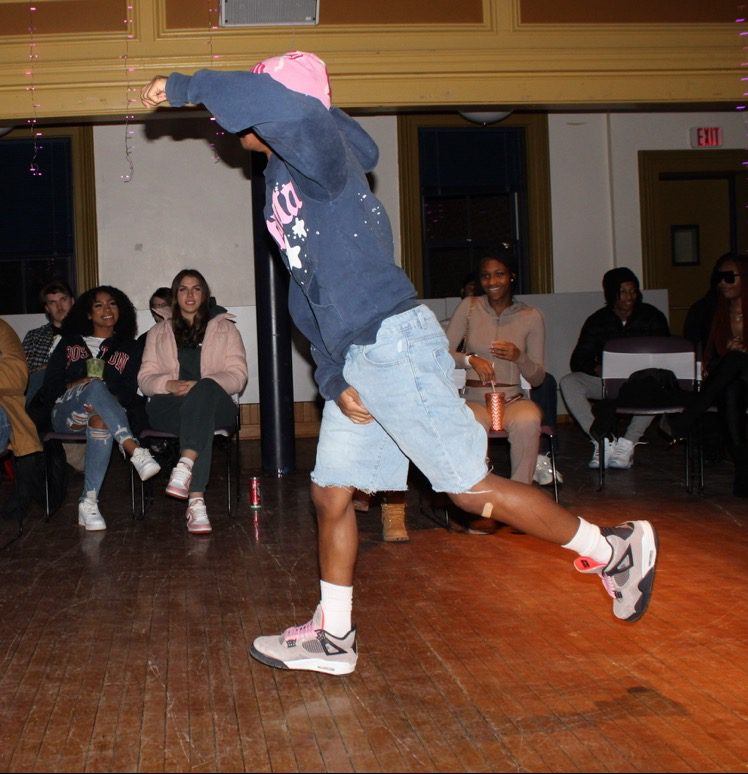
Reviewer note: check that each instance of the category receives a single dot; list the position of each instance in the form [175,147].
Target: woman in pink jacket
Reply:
[192,365]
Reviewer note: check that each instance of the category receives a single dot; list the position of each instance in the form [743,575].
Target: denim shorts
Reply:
[405,380]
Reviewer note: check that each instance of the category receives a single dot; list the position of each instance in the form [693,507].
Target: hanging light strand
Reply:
[31,88]
[742,32]
[129,100]
[212,26]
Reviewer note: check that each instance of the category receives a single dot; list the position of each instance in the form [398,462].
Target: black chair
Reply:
[624,356]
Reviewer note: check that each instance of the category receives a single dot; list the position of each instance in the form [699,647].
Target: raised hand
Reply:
[154,93]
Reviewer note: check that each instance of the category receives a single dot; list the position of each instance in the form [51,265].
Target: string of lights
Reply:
[213,25]
[32,122]
[129,69]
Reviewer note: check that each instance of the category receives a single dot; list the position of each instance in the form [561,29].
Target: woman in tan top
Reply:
[503,340]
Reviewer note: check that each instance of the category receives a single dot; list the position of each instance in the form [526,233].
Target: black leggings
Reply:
[727,387]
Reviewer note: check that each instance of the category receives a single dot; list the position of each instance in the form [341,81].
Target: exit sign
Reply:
[706,137]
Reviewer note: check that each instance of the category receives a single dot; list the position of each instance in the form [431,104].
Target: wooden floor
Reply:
[126,650]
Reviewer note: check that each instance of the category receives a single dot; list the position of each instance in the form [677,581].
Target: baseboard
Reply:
[307,416]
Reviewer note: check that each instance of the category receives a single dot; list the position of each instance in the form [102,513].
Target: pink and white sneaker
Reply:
[179,481]
[197,517]
[308,647]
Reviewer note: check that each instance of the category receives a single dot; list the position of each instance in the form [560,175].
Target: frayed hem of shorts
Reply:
[353,488]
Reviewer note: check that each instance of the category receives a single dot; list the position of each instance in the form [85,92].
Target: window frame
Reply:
[537,165]
[86,255]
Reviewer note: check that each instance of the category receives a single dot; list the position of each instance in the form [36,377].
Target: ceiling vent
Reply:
[251,13]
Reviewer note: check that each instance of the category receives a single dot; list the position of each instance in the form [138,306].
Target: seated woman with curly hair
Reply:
[90,383]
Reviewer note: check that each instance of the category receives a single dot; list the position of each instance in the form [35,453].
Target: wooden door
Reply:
[693,211]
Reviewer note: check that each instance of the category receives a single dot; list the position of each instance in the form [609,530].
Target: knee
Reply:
[96,421]
[96,389]
[208,386]
[568,382]
[98,433]
[330,501]
[525,420]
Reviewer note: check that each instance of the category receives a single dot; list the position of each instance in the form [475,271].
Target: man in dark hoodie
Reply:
[383,365]
[624,314]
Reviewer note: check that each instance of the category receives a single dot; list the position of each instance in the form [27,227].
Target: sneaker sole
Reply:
[203,529]
[91,528]
[149,472]
[306,664]
[548,481]
[180,494]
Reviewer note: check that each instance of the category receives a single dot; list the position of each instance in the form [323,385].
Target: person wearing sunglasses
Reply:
[725,366]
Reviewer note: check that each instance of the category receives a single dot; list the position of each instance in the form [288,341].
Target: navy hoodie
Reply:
[334,234]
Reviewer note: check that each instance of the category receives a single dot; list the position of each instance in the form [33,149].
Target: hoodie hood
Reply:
[299,71]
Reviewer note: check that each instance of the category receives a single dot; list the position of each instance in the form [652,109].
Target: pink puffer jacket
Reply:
[222,357]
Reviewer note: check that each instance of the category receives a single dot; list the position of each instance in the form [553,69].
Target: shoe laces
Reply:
[196,509]
[609,584]
[393,512]
[181,473]
[305,630]
[89,507]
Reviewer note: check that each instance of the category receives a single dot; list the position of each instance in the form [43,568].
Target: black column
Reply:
[273,339]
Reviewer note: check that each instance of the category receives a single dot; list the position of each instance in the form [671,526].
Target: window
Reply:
[468,190]
[48,221]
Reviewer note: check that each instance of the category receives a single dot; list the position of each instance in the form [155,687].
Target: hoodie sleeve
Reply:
[298,128]
[328,375]
[586,354]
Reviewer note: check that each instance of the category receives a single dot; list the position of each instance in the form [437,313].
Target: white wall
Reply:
[188,204]
[595,185]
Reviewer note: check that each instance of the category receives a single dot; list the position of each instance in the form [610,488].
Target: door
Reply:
[693,211]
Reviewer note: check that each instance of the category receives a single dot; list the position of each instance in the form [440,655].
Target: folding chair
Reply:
[623,356]
[230,434]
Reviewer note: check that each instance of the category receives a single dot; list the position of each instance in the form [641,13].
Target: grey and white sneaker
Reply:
[629,575]
[308,647]
[621,454]
[544,471]
[594,463]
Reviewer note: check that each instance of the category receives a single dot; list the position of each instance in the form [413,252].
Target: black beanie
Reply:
[612,281]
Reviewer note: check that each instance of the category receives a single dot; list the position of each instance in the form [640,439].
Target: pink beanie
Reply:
[299,71]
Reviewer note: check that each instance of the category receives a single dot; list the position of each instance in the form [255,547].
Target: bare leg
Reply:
[520,506]
[338,533]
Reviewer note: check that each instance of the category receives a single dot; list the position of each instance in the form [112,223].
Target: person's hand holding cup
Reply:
[95,368]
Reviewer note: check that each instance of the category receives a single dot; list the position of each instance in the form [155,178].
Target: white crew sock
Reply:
[337,603]
[186,461]
[589,541]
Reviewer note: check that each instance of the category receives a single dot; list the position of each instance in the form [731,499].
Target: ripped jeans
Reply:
[70,410]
